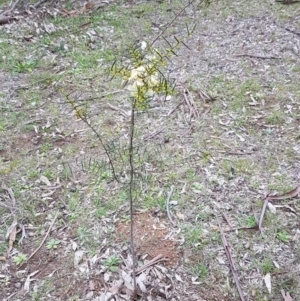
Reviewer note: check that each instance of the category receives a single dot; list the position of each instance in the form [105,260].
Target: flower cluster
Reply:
[143,78]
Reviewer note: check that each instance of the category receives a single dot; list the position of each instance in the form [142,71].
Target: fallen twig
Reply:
[227,220]
[170,23]
[190,103]
[291,194]
[45,237]
[173,110]
[12,230]
[259,56]
[231,263]
[153,261]
[168,207]
[11,8]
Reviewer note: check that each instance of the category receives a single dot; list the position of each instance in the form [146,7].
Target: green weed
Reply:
[111,263]
[283,236]
[266,266]
[20,259]
[52,244]
[199,270]
[25,66]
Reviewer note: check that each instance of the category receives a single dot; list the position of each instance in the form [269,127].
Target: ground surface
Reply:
[229,136]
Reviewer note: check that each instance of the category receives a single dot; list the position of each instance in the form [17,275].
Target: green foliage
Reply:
[25,66]
[5,280]
[193,234]
[52,244]
[20,259]
[199,270]
[266,266]
[111,263]
[250,221]
[83,234]
[142,77]
[283,236]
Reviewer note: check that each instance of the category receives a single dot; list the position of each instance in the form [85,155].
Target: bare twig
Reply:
[44,239]
[172,21]
[173,110]
[259,56]
[36,5]
[7,12]
[87,122]
[7,206]
[153,261]
[11,194]
[291,194]
[263,211]
[227,220]
[168,207]
[190,103]
[231,263]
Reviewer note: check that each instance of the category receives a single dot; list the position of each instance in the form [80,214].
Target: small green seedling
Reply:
[283,236]
[250,221]
[266,266]
[25,66]
[199,270]
[52,244]
[5,281]
[111,263]
[20,258]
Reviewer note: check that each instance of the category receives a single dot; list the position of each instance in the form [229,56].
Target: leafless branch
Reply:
[155,260]
[231,262]
[168,207]
[45,237]
[258,56]
[171,22]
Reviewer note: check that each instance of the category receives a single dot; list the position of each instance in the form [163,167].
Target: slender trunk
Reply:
[131,183]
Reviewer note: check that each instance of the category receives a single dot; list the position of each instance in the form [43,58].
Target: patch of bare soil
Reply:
[152,238]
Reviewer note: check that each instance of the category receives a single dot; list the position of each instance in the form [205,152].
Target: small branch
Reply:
[291,194]
[190,103]
[153,261]
[174,19]
[227,220]
[50,227]
[259,56]
[168,207]
[231,263]
[86,121]
[173,110]
[263,211]
[6,13]
[36,5]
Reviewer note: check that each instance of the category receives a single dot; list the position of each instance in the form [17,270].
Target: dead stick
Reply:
[227,220]
[168,207]
[153,261]
[231,263]
[259,56]
[50,227]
